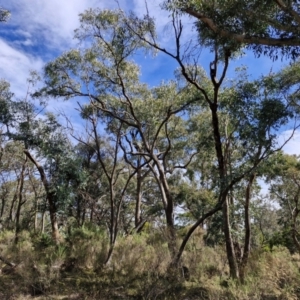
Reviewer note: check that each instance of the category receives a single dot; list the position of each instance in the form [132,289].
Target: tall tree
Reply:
[22,121]
[256,128]
[115,173]
[106,76]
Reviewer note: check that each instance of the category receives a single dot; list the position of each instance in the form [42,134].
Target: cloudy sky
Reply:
[40,30]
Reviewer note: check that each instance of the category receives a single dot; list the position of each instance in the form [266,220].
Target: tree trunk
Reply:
[11,211]
[50,198]
[111,247]
[36,202]
[233,265]
[168,204]
[83,216]
[112,225]
[3,203]
[43,222]
[78,211]
[53,218]
[20,202]
[109,254]
[294,227]
[246,251]
[137,217]
[171,230]
[35,218]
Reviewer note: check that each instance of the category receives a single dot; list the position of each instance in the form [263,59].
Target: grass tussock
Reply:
[139,269]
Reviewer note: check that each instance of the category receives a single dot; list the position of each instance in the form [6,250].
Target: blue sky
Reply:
[40,30]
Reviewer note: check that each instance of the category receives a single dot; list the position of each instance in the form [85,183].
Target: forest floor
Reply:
[138,270]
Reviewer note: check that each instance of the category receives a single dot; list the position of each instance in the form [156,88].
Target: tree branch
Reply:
[242,38]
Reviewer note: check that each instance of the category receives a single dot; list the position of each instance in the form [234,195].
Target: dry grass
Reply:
[138,270]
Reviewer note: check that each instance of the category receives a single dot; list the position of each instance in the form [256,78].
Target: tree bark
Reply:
[168,204]
[20,202]
[7,262]
[10,218]
[50,197]
[231,256]
[294,230]
[233,265]
[43,222]
[3,202]
[112,233]
[247,224]
[137,217]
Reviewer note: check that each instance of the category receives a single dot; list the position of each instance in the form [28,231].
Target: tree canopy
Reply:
[267,27]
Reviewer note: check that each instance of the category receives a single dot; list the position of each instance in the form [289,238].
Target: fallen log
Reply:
[7,262]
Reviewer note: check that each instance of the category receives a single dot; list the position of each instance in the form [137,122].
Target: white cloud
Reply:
[44,26]
[16,66]
[23,33]
[47,27]
[51,22]
[27,42]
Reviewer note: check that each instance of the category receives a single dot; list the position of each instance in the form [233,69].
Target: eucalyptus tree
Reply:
[45,137]
[42,138]
[20,192]
[9,160]
[142,174]
[250,113]
[149,119]
[163,143]
[116,175]
[256,111]
[58,169]
[267,27]
[20,173]
[13,166]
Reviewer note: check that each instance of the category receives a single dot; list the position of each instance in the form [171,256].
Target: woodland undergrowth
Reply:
[139,269]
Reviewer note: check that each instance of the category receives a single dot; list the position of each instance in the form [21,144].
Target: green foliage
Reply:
[6,115]
[88,245]
[266,27]
[44,241]
[257,110]
[4,14]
